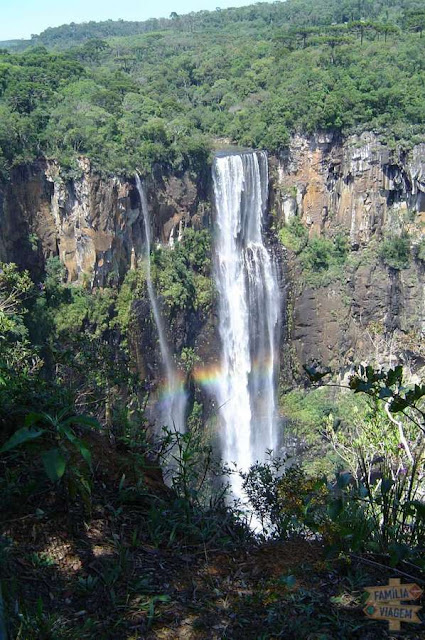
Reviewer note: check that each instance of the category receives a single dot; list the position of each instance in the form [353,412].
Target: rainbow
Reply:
[211,376]
[167,394]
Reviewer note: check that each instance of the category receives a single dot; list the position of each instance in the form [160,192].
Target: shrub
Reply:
[294,235]
[181,274]
[322,259]
[308,412]
[198,510]
[62,453]
[420,251]
[395,251]
[322,253]
[261,486]
[378,503]
[133,286]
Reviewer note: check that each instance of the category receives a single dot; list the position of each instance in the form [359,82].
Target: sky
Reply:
[21,18]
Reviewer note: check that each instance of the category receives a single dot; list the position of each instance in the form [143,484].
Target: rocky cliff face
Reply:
[94,224]
[358,184]
[360,188]
[357,187]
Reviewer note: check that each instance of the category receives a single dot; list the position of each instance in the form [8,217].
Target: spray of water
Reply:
[172,409]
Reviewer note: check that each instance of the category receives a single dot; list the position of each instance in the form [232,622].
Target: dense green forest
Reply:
[129,95]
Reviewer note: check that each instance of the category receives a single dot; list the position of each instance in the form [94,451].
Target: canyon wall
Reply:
[357,186]
[94,224]
[367,311]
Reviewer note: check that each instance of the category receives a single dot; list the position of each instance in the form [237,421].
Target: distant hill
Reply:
[68,35]
[133,95]
[289,12]
[15,45]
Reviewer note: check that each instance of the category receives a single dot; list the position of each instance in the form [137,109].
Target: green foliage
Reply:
[383,515]
[420,251]
[308,413]
[22,436]
[322,253]
[181,274]
[60,450]
[81,308]
[56,352]
[189,359]
[19,359]
[374,504]
[303,18]
[154,102]
[394,251]
[132,97]
[15,288]
[286,501]
[195,419]
[198,511]
[322,258]
[261,486]
[377,503]
[75,326]
[385,455]
[133,285]
[388,386]
[294,235]
[79,124]
[29,86]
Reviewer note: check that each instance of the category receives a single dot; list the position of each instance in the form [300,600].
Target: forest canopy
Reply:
[130,95]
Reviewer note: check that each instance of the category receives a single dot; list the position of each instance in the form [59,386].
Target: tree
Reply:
[395,251]
[361,27]
[385,28]
[303,33]
[333,41]
[92,49]
[415,21]
[19,361]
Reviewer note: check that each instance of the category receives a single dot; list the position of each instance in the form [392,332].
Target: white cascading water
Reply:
[172,410]
[248,312]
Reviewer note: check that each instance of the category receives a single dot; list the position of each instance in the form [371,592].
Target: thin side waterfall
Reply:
[172,409]
[248,311]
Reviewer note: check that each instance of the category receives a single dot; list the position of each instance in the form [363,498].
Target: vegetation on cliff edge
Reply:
[254,75]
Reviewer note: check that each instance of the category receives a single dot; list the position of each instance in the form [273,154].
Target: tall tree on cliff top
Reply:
[415,21]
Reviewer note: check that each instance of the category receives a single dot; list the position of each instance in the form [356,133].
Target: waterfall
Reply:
[248,311]
[172,408]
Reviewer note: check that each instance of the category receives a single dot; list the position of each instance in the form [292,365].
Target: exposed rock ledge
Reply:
[360,187]
[358,184]
[93,224]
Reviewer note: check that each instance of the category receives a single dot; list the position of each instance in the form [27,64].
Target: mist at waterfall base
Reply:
[171,408]
[249,309]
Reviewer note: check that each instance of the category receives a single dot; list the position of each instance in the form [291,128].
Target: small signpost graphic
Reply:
[385,603]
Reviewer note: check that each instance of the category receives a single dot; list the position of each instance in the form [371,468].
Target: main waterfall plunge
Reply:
[248,311]
[248,306]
